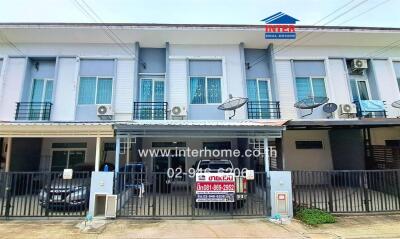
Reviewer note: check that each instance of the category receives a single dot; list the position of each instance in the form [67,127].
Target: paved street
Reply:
[382,226]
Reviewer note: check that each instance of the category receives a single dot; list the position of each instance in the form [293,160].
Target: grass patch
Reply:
[314,216]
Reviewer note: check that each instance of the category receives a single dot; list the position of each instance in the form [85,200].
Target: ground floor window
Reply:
[67,155]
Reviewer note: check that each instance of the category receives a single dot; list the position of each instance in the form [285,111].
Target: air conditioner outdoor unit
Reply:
[105,112]
[359,64]
[348,109]
[178,113]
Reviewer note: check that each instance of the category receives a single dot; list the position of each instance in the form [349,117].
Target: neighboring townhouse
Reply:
[71,95]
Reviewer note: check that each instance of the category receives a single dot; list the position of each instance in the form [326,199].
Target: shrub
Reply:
[314,216]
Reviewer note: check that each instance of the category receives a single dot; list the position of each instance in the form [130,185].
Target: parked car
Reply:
[223,166]
[68,194]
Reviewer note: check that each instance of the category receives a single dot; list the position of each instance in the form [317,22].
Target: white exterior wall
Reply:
[232,79]
[178,84]
[286,89]
[65,90]
[123,93]
[387,82]
[340,87]
[14,76]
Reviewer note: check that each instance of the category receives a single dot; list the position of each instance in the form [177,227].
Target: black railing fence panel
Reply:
[263,110]
[347,191]
[150,110]
[43,194]
[33,111]
[155,195]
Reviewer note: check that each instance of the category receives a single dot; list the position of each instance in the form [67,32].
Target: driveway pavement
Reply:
[382,226]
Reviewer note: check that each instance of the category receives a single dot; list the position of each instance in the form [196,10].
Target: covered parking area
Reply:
[164,194]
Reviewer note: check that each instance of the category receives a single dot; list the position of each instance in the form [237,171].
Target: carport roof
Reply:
[201,128]
[343,123]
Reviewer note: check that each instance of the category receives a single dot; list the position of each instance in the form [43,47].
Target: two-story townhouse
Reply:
[71,95]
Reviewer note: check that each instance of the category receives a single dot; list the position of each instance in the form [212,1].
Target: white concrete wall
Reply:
[286,88]
[65,90]
[14,77]
[306,159]
[123,96]
[387,82]
[379,135]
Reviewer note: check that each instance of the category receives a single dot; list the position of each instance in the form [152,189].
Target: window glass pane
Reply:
[146,87]
[354,90]
[362,90]
[319,87]
[214,90]
[264,91]
[104,91]
[59,160]
[37,90]
[48,91]
[197,90]
[252,91]
[87,90]
[303,88]
[158,91]
[75,158]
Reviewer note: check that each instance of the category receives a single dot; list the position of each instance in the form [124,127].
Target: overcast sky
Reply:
[383,13]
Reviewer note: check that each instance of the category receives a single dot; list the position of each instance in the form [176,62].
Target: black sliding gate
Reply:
[155,195]
[43,194]
[348,191]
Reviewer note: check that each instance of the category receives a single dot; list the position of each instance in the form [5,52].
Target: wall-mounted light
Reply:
[37,65]
[143,64]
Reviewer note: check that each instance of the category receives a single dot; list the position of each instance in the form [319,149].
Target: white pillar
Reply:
[8,154]
[117,153]
[266,155]
[97,157]
[128,150]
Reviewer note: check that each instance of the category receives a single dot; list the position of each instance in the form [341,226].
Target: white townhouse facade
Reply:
[70,94]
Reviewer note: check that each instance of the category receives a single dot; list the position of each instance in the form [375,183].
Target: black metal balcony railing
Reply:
[263,110]
[33,111]
[150,110]
[368,113]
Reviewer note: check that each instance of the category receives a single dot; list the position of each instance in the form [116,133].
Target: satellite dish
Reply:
[329,108]
[233,103]
[311,103]
[396,104]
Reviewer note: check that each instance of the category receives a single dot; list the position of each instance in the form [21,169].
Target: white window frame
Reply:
[206,91]
[69,151]
[268,80]
[44,88]
[95,93]
[153,79]
[310,79]
[358,79]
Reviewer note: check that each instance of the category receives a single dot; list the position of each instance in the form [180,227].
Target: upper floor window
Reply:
[359,89]
[152,90]
[95,90]
[96,81]
[205,81]
[310,79]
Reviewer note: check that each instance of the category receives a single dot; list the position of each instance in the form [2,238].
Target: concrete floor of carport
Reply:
[375,226]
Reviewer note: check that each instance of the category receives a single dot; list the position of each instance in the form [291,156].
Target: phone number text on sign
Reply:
[215,187]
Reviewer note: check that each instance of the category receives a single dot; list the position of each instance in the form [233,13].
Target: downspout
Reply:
[166,80]
[272,68]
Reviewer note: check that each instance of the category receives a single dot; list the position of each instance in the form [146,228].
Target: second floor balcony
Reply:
[263,110]
[370,109]
[33,111]
[150,110]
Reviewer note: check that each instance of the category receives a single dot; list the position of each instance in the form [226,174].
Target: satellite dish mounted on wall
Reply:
[310,104]
[233,103]
[329,108]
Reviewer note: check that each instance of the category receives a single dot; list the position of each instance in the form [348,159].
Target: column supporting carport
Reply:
[97,157]
[8,154]
[117,153]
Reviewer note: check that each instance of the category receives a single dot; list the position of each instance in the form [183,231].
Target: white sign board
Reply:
[67,174]
[215,187]
[249,174]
